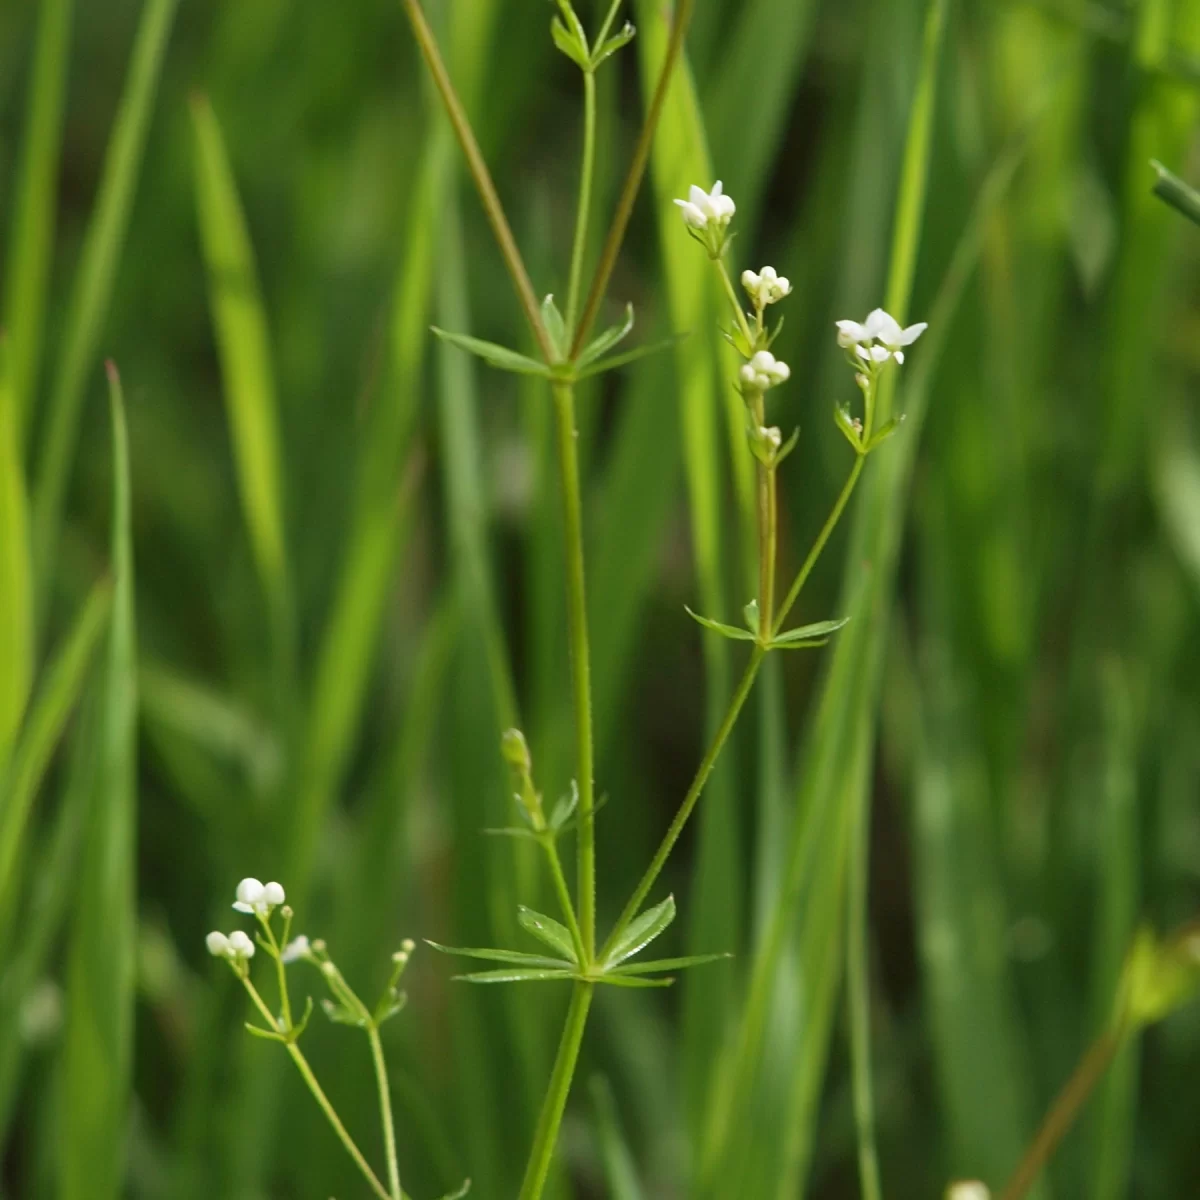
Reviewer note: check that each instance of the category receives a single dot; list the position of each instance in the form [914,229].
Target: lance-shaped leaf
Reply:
[668,964]
[462,1191]
[641,932]
[514,975]
[604,342]
[630,356]
[556,327]
[808,634]
[614,43]
[267,1035]
[626,981]
[516,957]
[885,431]
[729,631]
[496,356]
[556,935]
[564,808]
[750,612]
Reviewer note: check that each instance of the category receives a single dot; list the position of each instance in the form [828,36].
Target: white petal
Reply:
[850,332]
[750,281]
[246,908]
[717,189]
[780,372]
[898,355]
[273,894]
[218,944]
[784,286]
[862,352]
[910,335]
[240,944]
[764,360]
[769,276]
[880,353]
[723,207]
[697,196]
[748,376]
[883,326]
[694,216]
[296,949]
[250,892]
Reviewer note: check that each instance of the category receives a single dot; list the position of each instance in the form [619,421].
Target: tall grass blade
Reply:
[56,699]
[16,572]
[680,158]
[243,342]
[92,288]
[32,244]
[97,1054]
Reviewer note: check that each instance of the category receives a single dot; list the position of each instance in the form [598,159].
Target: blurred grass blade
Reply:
[97,1054]
[680,158]
[244,346]
[92,288]
[620,1170]
[53,875]
[16,578]
[56,699]
[1176,193]
[32,239]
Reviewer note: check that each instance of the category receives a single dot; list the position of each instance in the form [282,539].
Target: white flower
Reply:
[236,945]
[296,949]
[254,897]
[240,946]
[763,371]
[766,287]
[968,1189]
[701,207]
[879,327]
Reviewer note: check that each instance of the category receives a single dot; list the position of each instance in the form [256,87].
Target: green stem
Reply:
[858,989]
[306,1073]
[602,36]
[555,1103]
[585,198]
[689,801]
[819,545]
[385,1110]
[564,896]
[281,975]
[739,312]
[581,669]
[1062,1114]
[483,179]
[633,180]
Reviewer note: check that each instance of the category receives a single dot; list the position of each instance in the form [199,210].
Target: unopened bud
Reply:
[515,750]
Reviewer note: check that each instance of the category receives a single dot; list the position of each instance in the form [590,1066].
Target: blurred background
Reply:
[339,578]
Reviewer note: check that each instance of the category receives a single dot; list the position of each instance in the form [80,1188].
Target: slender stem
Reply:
[281,974]
[306,1073]
[564,897]
[1063,1112]
[633,180]
[739,312]
[689,801]
[858,988]
[602,36]
[819,545]
[385,1110]
[581,669]
[555,1103]
[483,179]
[585,197]
[767,616]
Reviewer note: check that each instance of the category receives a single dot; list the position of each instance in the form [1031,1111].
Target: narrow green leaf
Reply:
[267,1035]
[16,570]
[750,612]
[630,356]
[556,935]
[35,207]
[568,44]
[57,696]
[518,957]
[97,1055]
[808,632]
[515,975]
[641,932]
[243,342]
[462,1191]
[669,964]
[627,981]
[605,341]
[555,326]
[93,283]
[730,631]
[496,356]
[615,43]
[564,808]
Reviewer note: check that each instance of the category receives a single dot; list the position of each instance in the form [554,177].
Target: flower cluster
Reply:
[258,898]
[878,338]
[707,216]
[766,287]
[236,947]
[763,371]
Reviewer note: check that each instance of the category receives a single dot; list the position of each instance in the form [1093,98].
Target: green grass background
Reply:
[277,627]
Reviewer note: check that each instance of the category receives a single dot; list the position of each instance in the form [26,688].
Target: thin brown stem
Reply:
[1063,1112]
[483,179]
[633,180]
